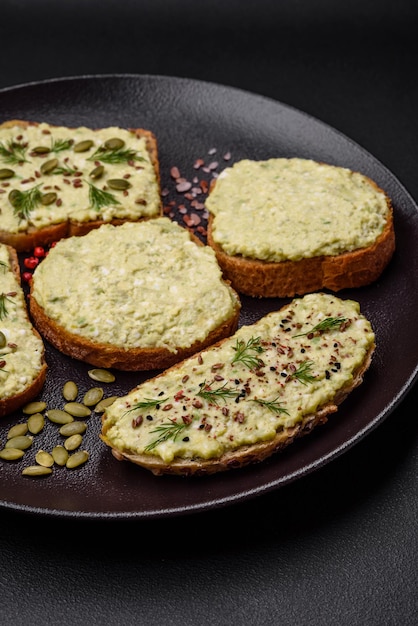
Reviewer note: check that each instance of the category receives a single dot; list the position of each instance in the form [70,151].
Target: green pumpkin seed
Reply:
[36,423]
[21,442]
[3,340]
[14,198]
[77,459]
[93,396]
[48,198]
[119,184]
[60,455]
[75,428]
[11,454]
[34,407]
[97,172]
[44,458]
[114,144]
[83,146]
[73,442]
[6,173]
[103,404]
[70,391]
[77,409]
[57,416]
[101,375]
[41,150]
[36,470]
[17,430]
[49,166]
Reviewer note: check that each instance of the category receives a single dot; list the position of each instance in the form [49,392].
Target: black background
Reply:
[340,545]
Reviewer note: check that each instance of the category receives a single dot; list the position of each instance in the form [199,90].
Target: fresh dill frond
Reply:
[99,198]
[3,306]
[58,145]
[147,403]
[246,353]
[24,202]
[213,395]
[327,324]
[167,430]
[118,155]
[13,152]
[303,373]
[273,405]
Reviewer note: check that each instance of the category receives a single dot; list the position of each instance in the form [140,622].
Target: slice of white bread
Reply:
[57,181]
[286,227]
[139,296]
[248,396]
[22,360]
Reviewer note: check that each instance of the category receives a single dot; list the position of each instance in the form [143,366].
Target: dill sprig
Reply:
[58,145]
[213,395]
[147,403]
[3,306]
[167,430]
[99,198]
[246,353]
[327,324]
[303,373]
[118,155]
[24,202]
[13,152]
[273,405]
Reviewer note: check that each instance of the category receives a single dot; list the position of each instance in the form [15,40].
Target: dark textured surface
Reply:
[338,545]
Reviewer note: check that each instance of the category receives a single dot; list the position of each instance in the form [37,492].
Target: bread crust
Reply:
[26,241]
[13,403]
[357,268]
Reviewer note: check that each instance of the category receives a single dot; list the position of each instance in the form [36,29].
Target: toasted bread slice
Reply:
[287,227]
[22,359]
[58,182]
[138,296]
[248,396]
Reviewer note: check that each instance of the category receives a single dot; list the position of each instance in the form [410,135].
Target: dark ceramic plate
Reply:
[191,119]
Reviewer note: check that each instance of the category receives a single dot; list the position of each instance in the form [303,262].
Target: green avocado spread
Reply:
[289,209]
[49,175]
[249,388]
[142,284]
[21,350]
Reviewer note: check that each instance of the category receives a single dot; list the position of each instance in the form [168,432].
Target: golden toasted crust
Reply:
[26,241]
[12,403]
[358,268]
[247,454]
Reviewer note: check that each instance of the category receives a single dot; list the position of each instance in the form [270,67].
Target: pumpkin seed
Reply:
[101,375]
[73,442]
[60,455]
[44,458]
[36,470]
[49,166]
[83,146]
[70,391]
[103,404]
[41,150]
[14,198]
[5,172]
[48,198]
[57,416]
[17,430]
[77,459]
[97,172]
[74,428]
[11,454]
[34,407]
[119,183]
[3,340]
[21,442]
[77,409]
[36,422]
[93,396]
[114,144]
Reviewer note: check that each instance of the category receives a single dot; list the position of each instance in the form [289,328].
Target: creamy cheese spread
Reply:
[21,351]
[143,284]
[289,209]
[49,175]
[263,379]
